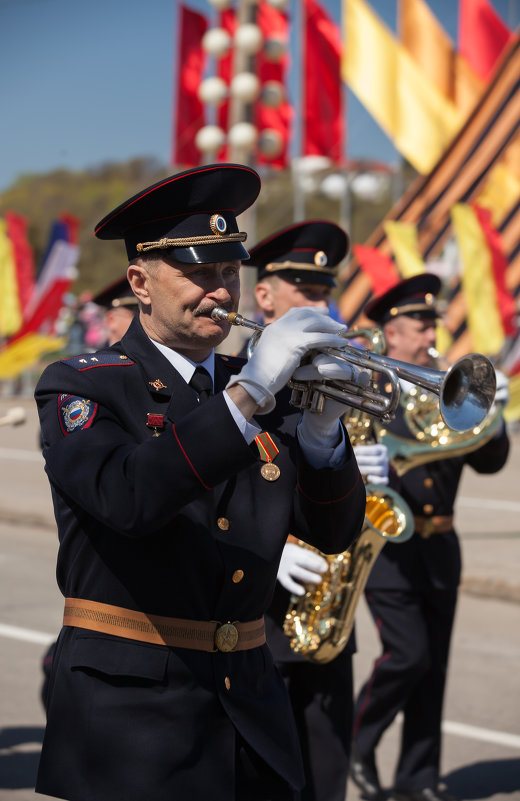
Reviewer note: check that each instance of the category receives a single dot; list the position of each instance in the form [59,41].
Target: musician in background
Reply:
[120,306]
[412,589]
[296,267]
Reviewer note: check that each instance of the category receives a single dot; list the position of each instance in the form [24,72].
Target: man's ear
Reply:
[264,296]
[138,278]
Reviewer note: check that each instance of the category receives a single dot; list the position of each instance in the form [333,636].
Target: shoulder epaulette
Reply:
[233,363]
[88,361]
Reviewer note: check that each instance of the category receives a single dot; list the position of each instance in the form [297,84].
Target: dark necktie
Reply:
[202,383]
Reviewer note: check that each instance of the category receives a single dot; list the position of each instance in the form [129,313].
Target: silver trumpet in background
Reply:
[465,390]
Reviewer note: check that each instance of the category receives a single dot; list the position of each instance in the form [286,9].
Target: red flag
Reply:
[378,266]
[23,256]
[229,23]
[323,123]
[482,36]
[190,71]
[273,24]
[506,302]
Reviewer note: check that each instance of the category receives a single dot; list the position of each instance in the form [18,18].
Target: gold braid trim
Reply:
[276,266]
[189,241]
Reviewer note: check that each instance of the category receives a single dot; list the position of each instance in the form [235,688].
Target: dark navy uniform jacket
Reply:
[431,489]
[140,523]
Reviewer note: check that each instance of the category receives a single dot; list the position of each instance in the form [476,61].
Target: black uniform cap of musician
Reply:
[413,297]
[189,217]
[305,253]
[116,295]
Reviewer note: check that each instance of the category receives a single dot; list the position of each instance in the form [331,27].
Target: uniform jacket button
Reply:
[428,482]
[227,683]
[223,523]
[428,509]
[237,576]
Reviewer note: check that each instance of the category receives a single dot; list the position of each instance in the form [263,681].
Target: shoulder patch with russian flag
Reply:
[75,413]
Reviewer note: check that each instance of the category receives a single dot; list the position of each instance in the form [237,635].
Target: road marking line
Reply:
[488,503]
[22,456]
[477,733]
[28,635]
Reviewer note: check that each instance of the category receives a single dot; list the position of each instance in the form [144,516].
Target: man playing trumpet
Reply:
[175,475]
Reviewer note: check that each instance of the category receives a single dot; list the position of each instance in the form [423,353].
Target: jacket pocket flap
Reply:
[120,657]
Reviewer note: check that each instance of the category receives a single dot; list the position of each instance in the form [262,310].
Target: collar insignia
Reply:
[157,384]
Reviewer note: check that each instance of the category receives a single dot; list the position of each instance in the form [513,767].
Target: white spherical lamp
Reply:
[270,143]
[245,87]
[243,135]
[212,90]
[272,94]
[334,186]
[248,39]
[281,5]
[216,41]
[209,138]
[274,48]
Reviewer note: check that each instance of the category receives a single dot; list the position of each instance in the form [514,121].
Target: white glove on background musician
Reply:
[302,564]
[502,391]
[502,397]
[280,350]
[373,462]
[323,430]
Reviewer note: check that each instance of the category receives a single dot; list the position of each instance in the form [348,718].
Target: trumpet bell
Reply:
[467,391]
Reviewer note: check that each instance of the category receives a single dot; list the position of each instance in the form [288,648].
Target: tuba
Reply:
[319,623]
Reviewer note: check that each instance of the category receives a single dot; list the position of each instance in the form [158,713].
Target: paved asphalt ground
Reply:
[481,749]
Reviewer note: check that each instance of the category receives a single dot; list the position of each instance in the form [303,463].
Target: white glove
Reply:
[373,462]
[299,563]
[322,430]
[280,350]
[502,393]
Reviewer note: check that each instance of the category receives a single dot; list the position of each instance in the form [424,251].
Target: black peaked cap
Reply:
[305,253]
[190,216]
[117,294]
[413,297]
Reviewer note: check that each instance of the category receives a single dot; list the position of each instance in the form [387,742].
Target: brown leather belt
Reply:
[438,524]
[201,635]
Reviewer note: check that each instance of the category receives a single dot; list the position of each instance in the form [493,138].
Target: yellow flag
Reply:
[10,311]
[402,100]
[26,352]
[428,43]
[405,246]
[500,192]
[478,284]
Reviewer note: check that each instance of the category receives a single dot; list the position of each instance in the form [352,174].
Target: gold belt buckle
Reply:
[428,528]
[226,637]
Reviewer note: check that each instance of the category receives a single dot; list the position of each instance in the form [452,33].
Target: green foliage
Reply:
[90,194]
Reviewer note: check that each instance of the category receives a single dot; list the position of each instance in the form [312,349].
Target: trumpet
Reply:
[466,390]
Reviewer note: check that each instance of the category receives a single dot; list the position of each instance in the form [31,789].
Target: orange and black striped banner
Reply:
[458,177]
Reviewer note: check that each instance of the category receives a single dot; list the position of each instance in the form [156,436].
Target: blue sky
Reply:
[83,83]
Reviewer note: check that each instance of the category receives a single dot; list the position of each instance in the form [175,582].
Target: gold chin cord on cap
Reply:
[190,241]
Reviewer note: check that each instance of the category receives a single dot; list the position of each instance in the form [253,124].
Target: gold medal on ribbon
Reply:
[270,471]
[268,452]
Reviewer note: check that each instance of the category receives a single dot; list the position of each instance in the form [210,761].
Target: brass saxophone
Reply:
[319,623]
